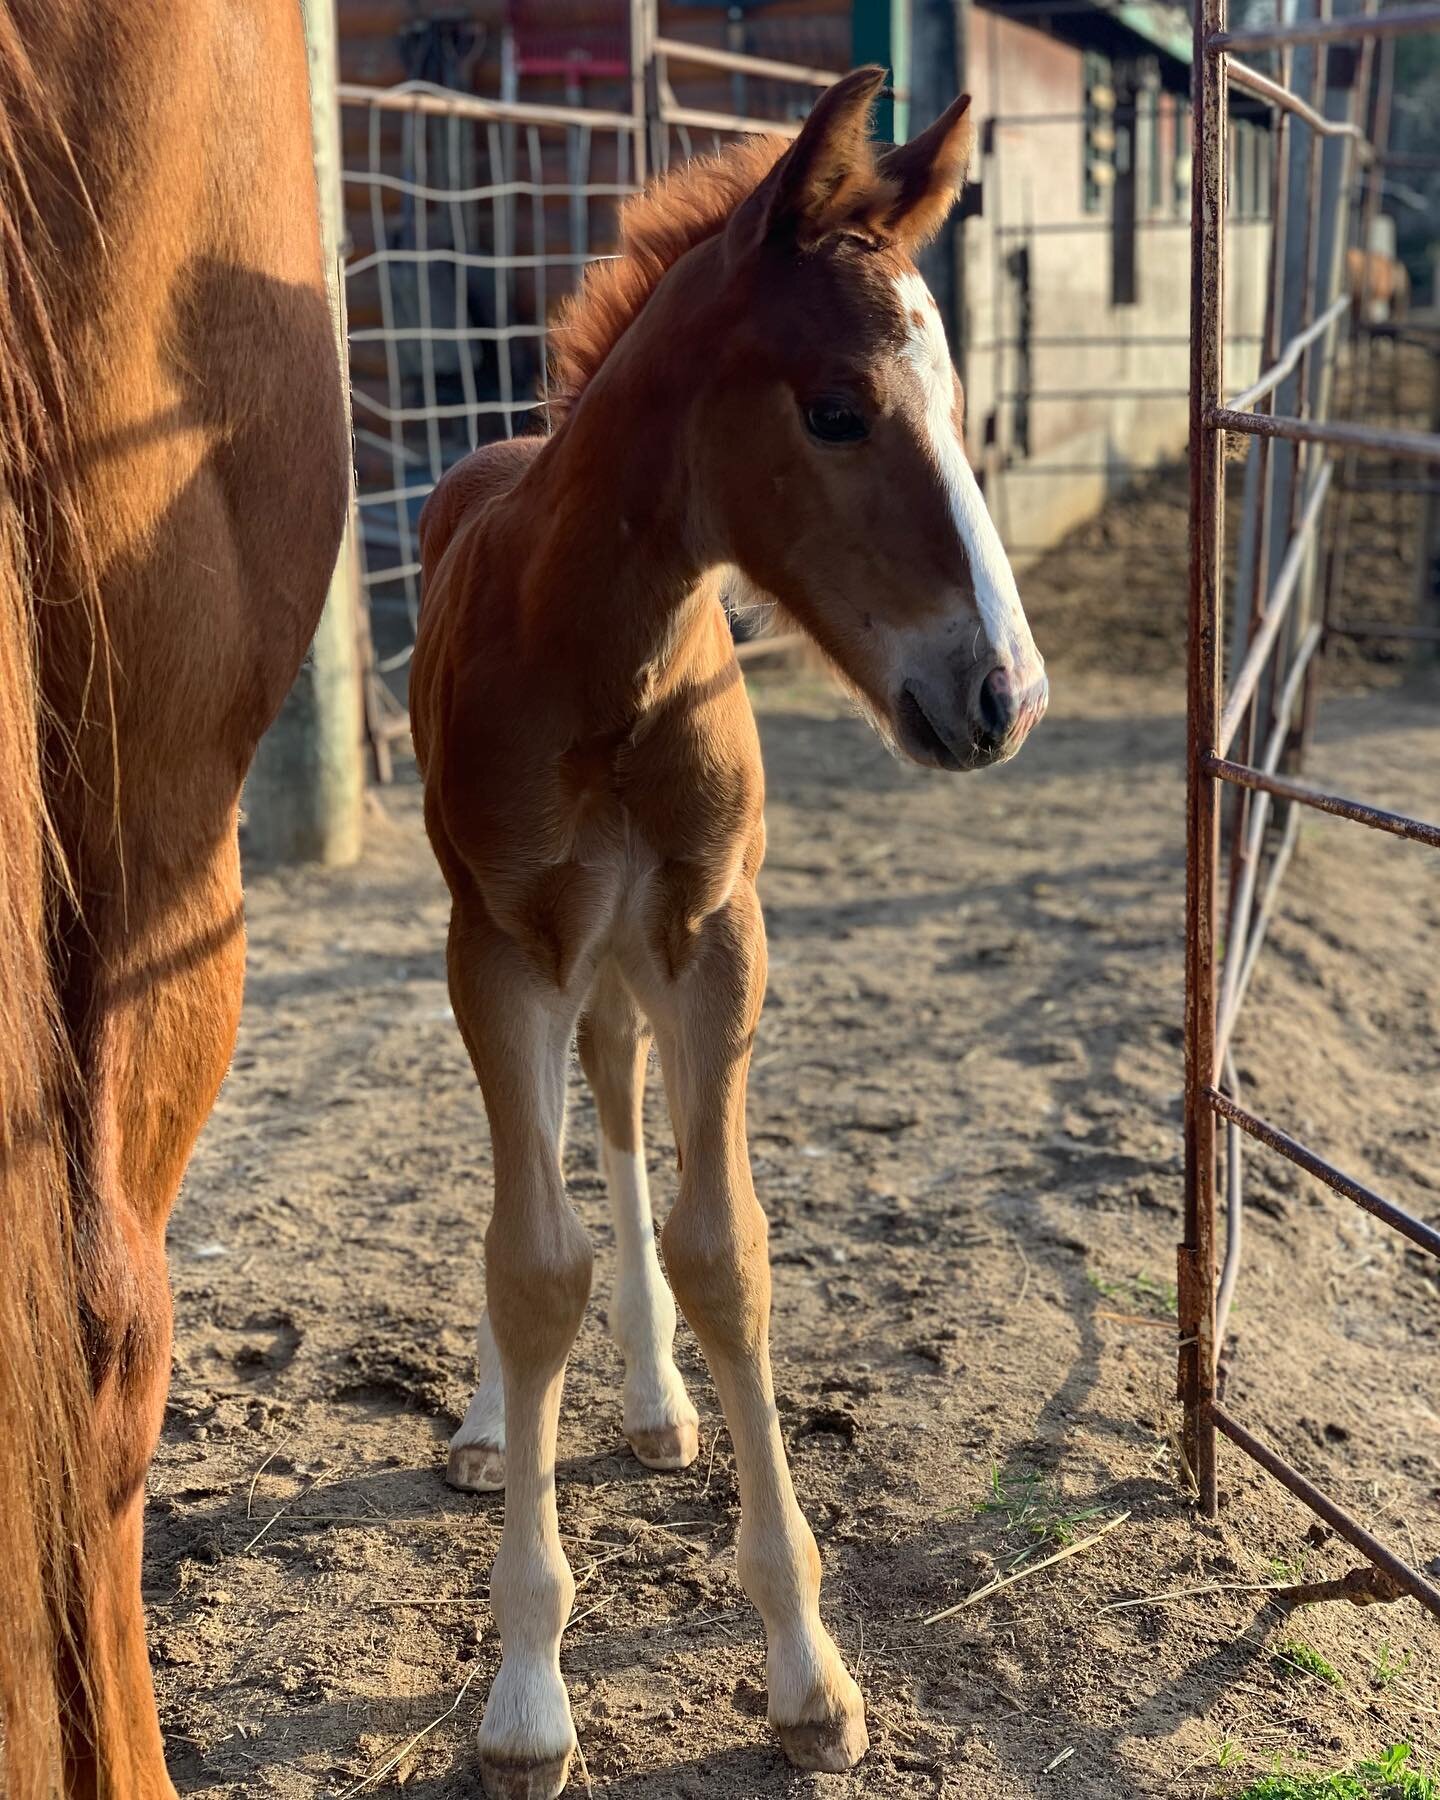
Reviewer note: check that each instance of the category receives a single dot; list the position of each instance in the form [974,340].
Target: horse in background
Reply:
[172,489]
[1379,286]
[760,380]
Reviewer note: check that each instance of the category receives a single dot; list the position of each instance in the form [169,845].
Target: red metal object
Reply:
[1280,663]
[576,40]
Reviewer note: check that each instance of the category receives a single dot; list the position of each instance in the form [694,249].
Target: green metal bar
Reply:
[880,33]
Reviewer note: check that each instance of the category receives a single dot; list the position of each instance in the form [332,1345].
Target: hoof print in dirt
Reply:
[826,1427]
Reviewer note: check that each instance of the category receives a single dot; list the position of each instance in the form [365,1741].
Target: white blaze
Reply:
[996,595]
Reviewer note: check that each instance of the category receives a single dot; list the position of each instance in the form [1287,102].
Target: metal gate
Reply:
[1247,740]
[469,219]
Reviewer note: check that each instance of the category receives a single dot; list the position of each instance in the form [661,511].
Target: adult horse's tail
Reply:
[51,1507]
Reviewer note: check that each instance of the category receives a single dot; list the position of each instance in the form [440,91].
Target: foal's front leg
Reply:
[659,1421]
[715,1251]
[537,1280]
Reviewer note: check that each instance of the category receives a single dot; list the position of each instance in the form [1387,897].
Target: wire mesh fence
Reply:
[469,221]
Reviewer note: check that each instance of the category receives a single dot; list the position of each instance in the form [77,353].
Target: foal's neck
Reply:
[620,565]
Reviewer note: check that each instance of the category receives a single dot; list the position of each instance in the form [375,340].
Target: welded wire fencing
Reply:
[469,221]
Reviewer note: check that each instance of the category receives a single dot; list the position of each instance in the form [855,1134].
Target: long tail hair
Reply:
[51,1504]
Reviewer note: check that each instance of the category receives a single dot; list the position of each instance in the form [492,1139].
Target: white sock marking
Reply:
[644,1308]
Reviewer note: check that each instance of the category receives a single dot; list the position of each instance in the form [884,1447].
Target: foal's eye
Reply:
[833,422]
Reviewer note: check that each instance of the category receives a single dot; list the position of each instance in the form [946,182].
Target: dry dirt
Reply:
[965,1126]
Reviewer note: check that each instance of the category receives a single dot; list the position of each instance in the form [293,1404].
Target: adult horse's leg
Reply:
[184,461]
[518,1029]
[658,1419]
[158,1004]
[715,1250]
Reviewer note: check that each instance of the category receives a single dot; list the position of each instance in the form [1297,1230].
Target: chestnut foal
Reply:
[761,381]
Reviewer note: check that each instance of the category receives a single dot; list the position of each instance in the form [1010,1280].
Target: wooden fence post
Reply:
[305,796]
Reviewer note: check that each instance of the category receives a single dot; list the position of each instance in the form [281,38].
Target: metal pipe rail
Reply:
[1426,1236]
[1285,638]
[679,51]
[1244,944]
[1399,825]
[445,103]
[1334,1515]
[697,120]
[1352,28]
[1413,446]
[1290,356]
[1287,583]
[1243,76]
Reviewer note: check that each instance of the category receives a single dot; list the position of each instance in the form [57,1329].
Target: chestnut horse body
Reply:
[759,382]
[1379,285]
[172,487]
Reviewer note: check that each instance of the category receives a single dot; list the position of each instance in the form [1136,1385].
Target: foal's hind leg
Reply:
[537,1278]
[477,1451]
[716,1253]
[660,1423]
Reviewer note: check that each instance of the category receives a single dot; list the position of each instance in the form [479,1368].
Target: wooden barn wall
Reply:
[1039,280]
[1037,264]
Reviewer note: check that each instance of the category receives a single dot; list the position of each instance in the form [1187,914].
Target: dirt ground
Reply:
[966,1132]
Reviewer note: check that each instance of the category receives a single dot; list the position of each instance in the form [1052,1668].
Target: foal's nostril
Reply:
[997,704]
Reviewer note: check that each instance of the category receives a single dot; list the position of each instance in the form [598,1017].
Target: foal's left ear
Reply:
[927,174]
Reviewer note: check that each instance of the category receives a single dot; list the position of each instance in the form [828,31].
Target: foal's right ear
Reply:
[928,173]
[822,182]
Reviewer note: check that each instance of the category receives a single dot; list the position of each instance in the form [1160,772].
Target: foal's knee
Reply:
[538,1264]
[719,1266]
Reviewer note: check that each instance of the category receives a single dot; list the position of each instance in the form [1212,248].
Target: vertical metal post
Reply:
[305,794]
[1207,303]
[641,33]
[880,33]
[1362,341]
[936,81]
[1294,292]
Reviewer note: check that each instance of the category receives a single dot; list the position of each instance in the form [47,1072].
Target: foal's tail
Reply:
[51,1508]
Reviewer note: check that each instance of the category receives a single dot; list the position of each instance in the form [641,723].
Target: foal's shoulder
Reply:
[481,476]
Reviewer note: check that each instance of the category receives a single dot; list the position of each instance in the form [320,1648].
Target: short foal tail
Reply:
[51,1507]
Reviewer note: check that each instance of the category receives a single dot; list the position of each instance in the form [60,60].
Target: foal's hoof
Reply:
[667,1447]
[477,1469]
[831,1745]
[524,1781]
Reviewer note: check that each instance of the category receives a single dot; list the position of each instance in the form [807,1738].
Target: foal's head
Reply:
[829,437]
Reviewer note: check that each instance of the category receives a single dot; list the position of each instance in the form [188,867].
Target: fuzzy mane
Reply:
[673,213]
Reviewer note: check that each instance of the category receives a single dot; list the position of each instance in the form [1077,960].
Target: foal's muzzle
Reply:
[984,724]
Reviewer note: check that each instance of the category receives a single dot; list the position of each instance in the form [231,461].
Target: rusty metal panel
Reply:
[1275,678]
